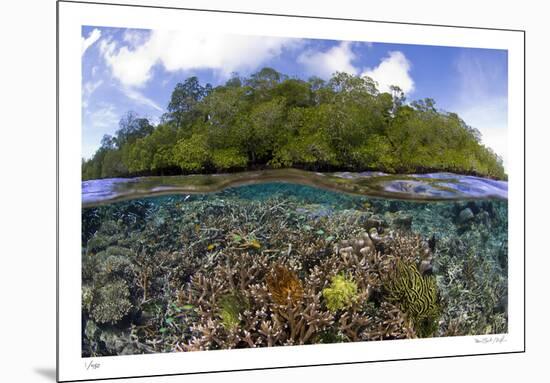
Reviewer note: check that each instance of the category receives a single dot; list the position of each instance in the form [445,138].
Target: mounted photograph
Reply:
[283,193]
[251,191]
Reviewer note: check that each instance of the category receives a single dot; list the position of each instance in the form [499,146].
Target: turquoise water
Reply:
[158,271]
[432,186]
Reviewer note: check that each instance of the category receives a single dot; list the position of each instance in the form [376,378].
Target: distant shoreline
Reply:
[271,121]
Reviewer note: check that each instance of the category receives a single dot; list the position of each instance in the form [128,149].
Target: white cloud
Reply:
[140,98]
[92,38]
[104,118]
[490,117]
[135,37]
[91,86]
[178,50]
[324,64]
[88,88]
[95,123]
[480,102]
[392,70]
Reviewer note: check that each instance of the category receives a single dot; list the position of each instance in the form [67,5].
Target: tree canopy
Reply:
[271,121]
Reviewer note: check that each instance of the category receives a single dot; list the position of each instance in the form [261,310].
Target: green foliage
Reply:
[417,296]
[192,154]
[270,120]
[153,152]
[184,101]
[228,159]
[112,165]
[341,293]
[131,127]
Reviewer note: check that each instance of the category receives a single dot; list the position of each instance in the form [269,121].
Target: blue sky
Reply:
[133,69]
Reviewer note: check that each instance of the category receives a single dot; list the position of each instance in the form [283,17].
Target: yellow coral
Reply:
[341,293]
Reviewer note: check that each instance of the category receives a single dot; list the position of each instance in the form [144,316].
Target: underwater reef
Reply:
[281,264]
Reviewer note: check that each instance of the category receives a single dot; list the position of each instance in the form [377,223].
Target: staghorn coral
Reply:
[362,320]
[182,260]
[475,296]
[341,293]
[389,322]
[416,294]
[282,282]
[290,316]
[295,314]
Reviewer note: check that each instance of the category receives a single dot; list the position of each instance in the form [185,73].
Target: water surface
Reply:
[434,186]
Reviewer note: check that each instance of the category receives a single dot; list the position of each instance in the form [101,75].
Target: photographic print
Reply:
[264,191]
[257,191]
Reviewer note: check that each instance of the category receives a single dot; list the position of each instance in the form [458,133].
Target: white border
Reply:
[72,16]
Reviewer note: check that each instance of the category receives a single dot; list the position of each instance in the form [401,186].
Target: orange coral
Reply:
[284,285]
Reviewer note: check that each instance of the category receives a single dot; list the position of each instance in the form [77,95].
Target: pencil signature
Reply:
[491,339]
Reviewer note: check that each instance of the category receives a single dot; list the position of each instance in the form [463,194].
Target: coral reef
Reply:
[250,269]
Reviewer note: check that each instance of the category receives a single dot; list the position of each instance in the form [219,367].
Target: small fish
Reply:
[211,247]
[255,244]
[432,243]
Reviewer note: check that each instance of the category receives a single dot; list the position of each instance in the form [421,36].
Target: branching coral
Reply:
[473,287]
[278,309]
[389,322]
[283,310]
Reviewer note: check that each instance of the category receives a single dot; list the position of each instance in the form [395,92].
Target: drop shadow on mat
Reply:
[46,372]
